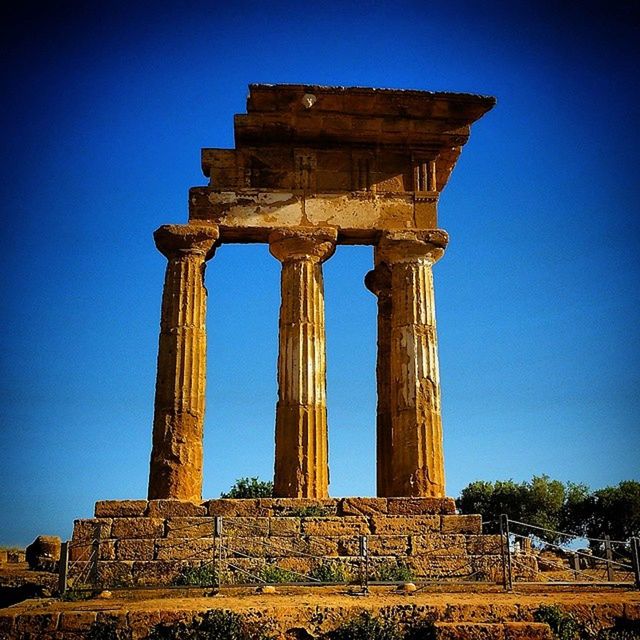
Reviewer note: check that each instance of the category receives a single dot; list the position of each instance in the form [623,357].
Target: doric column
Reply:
[301,464]
[379,282]
[176,457]
[417,463]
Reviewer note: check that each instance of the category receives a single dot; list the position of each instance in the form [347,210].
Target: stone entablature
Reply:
[361,160]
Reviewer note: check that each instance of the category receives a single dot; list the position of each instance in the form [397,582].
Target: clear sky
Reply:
[106,107]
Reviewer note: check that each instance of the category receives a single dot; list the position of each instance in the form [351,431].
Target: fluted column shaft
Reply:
[378,281]
[417,461]
[301,458]
[176,456]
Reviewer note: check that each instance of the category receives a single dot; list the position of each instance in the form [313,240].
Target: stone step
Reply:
[491,631]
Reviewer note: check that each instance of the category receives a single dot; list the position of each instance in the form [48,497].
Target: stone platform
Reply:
[157,542]
[480,612]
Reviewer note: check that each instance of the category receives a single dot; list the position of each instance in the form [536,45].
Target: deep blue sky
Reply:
[105,112]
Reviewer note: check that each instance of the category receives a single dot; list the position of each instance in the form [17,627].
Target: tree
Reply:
[614,511]
[539,503]
[553,506]
[250,488]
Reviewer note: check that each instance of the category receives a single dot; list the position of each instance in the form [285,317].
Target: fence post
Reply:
[95,552]
[506,552]
[635,559]
[217,534]
[576,565]
[609,555]
[364,564]
[63,568]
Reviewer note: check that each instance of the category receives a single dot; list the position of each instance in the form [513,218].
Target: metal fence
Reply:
[559,561]
[237,552]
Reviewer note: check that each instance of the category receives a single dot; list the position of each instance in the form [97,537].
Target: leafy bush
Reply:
[215,623]
[203,576]
[74,595]
[623,630]
[272,573]
[330,572]
[391,571]
[250,488]
[563,625]
[366,627]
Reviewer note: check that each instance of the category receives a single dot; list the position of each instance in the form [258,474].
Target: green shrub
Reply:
[250,488]
[203,576]
[366,627]
[391,571]
[623,630]
[272,573]
[330,572]
[421,630]
[74,595]
[563,625]
[215,624]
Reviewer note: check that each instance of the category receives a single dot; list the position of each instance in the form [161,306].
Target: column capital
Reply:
[174,239]
[378,280]
[316,244]
[409,246]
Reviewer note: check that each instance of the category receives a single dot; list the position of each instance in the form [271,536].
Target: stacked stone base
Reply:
[167,542]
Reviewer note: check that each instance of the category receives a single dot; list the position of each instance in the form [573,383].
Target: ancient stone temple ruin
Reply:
[312,167]
[315,167]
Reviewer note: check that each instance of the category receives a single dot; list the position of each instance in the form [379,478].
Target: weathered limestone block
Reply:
[92,529]
[259,547]
[377,545]
[332,526]
[486,544]
[43,553]
[28,625]
[159,572]
[135,549]
[190,527]
[77,620]
[176,456]
[245,526]
[83,549]
[417,463]
[462,524]
[185,549]
[421,506]
[492,631]
[362,506]
[389,525]
[527,631]
[120,508]
[284,526]
[118,573]
[174,508]
[441,567]
[321,546]
[489,567]
[237,507]
[301,465]
[137,528]
[435,544]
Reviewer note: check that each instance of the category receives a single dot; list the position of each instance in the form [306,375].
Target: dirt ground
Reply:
[240,599]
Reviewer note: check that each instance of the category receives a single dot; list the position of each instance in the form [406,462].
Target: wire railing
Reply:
[225,552]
